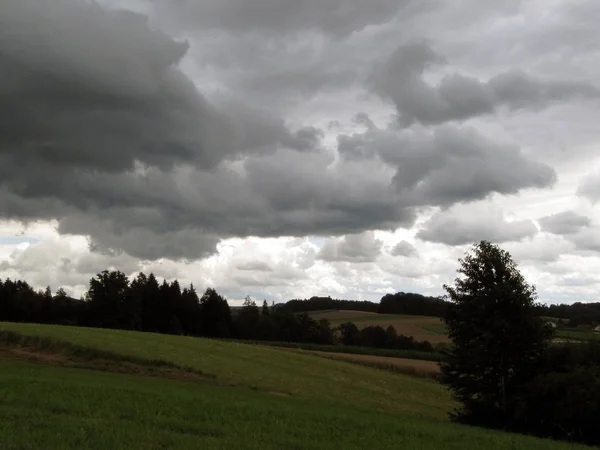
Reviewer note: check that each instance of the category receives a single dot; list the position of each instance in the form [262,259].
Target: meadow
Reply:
[577,334]
[250,397]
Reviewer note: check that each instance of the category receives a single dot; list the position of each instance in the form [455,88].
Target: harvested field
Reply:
[334,316]
[426,369]
[409,328]
[421,328]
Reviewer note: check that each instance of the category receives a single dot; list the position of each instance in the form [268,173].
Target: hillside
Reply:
[265,368]
[252,397]
[421,328]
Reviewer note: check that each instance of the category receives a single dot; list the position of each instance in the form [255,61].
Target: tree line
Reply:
[409,303]
[144,304]
[399,303]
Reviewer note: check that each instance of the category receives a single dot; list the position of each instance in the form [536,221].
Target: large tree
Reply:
[496,334]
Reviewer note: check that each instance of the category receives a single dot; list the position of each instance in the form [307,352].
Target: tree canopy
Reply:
[497,336]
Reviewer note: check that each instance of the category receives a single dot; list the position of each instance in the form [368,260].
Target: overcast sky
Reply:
[290,148]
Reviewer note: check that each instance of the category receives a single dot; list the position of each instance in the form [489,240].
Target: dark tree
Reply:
[107,295]
[496,334]
[247,320]
[374,336]
[265,308]
[215,315]
[349,334]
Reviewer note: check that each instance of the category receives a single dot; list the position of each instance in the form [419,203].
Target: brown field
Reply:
[421,328]
[426,369]
[334,316]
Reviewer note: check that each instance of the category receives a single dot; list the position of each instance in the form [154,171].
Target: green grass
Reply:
[57,408]
[576,334]
[259,398]
[264,368]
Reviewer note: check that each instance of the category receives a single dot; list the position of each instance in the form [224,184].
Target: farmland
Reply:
[421,328]
[249,397]
[426,328]
[427,369]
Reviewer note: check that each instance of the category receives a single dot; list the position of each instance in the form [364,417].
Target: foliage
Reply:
[575,314]
[326,303]
[497,336]
[399,303]
[562,400]
[412,304]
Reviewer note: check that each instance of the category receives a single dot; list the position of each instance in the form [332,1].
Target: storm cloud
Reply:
[107,133]
[458,97]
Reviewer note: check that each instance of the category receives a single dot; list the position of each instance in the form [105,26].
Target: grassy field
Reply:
[268,369]
[252,397]
[422,328]
[576,334]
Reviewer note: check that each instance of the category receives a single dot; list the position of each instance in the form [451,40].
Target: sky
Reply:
[289,148]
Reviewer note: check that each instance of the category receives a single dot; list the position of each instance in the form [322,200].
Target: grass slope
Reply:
[57,408]
[328,405]
[246,365]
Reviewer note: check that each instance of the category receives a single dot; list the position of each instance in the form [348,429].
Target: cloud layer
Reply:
[184,136]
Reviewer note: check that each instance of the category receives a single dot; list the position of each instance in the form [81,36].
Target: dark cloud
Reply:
[462,226]
[404,248]
[103,131]
[101,93]
[356,248]
[108,234]
[447,165]
[566,222]
[104,91]
[458,97]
